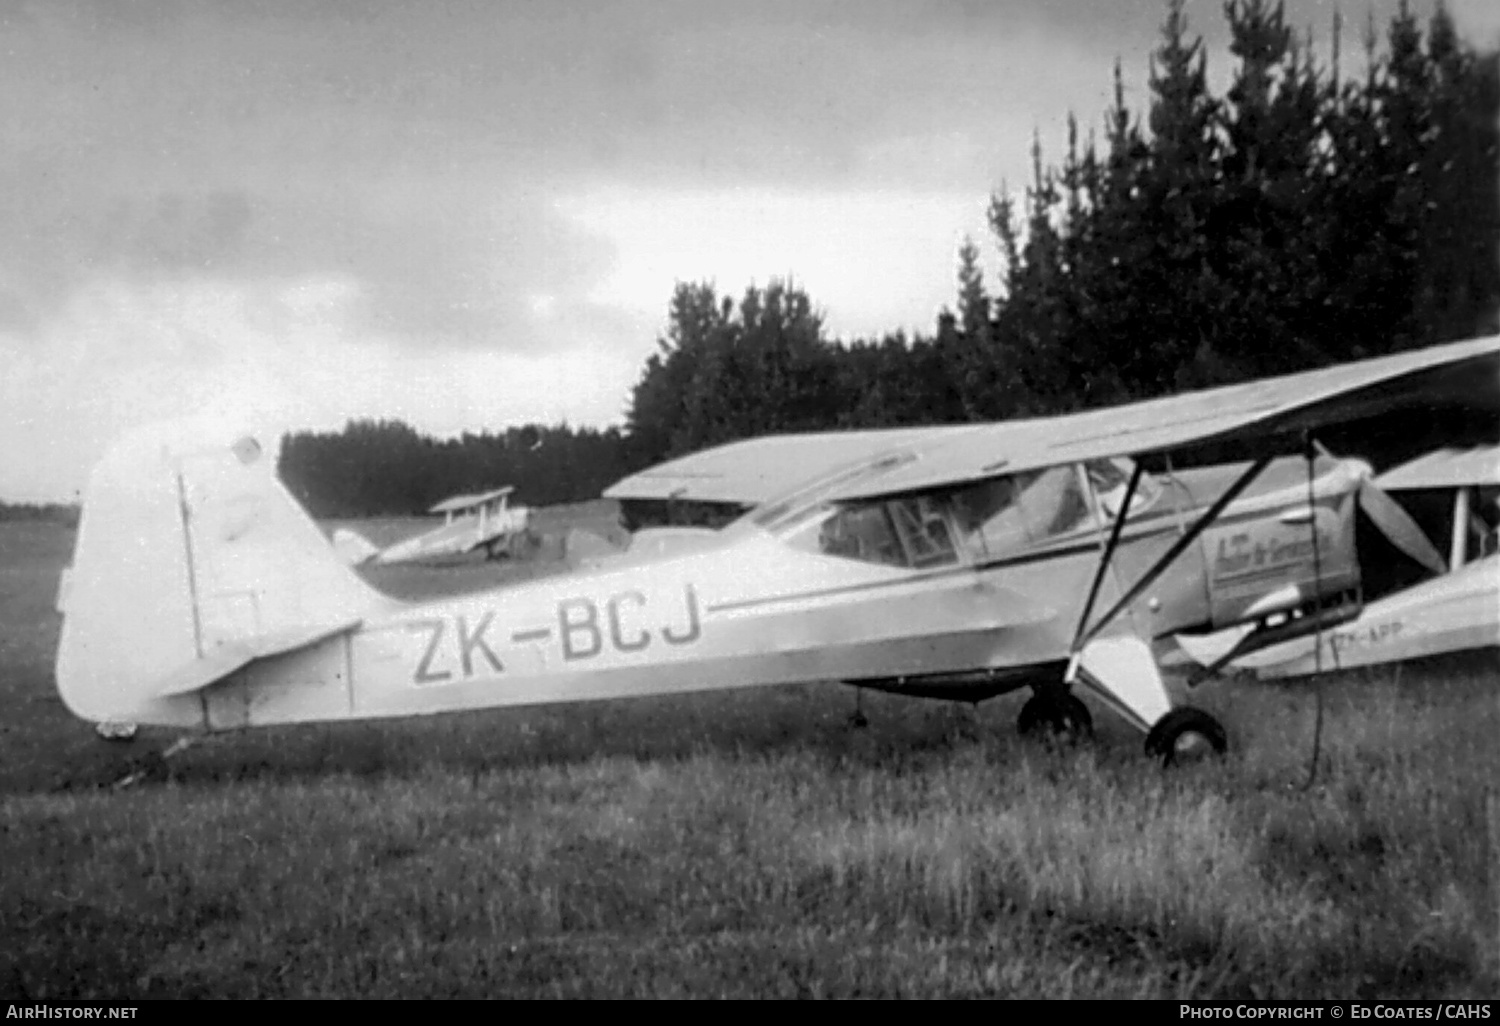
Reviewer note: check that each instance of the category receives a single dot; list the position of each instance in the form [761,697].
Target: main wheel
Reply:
[1058,714]
[1185,734]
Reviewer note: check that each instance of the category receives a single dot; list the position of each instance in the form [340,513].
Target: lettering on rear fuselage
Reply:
[470,643]
[625,622]
[434,629]
[583,636]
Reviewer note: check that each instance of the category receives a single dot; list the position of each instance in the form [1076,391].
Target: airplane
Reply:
[1456,610]
[961,566]
[470,523]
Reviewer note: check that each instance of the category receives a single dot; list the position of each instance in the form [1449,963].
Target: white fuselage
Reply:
[750,612]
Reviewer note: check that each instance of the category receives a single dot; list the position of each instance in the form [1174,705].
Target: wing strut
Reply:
[1167,558]
[1108,551]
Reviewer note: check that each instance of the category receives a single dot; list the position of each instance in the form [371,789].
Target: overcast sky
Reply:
[472,214]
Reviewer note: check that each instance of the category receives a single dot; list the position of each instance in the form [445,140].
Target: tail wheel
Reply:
[1056,714]
[115,730]
[1186,734]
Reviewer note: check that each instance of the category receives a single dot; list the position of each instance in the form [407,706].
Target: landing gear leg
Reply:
[1122,672]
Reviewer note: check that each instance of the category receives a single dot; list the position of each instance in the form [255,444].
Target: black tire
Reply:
[1057,715]
[1166,740]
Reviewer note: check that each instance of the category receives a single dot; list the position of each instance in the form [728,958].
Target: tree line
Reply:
[1308,215]
[385,467]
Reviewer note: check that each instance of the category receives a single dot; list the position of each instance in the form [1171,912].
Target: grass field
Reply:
[748,844]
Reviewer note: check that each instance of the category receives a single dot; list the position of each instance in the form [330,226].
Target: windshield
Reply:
[986,519]
[777,513]
[1004,514]
[911,531]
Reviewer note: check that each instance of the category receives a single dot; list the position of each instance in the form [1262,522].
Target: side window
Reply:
[1053,503]
[902,532]
[924,531]
[1110,478]
[1006,514]
[861,532]
[988,517]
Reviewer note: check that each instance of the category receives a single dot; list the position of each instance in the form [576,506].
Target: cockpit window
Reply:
[910,532]
[990,518]
[1005,514]
[1110,478]
[923,530]
[861,532]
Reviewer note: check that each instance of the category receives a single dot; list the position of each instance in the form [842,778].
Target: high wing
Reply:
[462,502]
[1461,373]
[756,470]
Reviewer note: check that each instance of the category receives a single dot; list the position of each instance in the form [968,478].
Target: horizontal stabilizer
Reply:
[234,655]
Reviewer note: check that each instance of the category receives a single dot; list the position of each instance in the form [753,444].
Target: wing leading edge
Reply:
[1462,373]
[462,502]
[757,470]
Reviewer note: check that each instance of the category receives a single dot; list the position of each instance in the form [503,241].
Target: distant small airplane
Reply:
[960,563]
[470,523]
[1456,610]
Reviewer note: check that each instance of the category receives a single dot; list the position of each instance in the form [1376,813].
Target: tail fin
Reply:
[191,560]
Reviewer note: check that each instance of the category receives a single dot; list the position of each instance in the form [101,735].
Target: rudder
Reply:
[189,551]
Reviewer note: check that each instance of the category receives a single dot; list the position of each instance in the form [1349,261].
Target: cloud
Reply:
[120,354]
[419,151]
[439,264]
[476,208]
[819,239]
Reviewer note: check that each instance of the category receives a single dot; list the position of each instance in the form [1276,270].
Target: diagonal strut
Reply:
[1178,547]
[1108,552]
